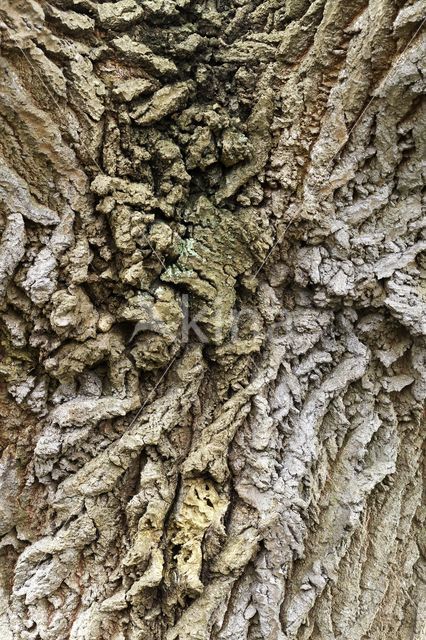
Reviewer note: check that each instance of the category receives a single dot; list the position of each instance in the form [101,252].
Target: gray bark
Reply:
[212,312]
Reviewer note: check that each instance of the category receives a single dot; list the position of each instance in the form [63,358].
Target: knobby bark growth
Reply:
[211,316]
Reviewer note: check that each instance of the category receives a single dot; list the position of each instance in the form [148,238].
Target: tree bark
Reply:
[212,320]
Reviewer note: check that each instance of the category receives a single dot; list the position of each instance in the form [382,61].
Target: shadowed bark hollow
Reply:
[212,315]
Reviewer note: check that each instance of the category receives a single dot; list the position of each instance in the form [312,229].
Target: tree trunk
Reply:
[211,320]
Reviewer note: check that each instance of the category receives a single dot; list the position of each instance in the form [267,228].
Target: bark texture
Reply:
[212,312]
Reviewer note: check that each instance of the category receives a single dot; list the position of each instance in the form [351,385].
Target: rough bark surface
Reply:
[212,312]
